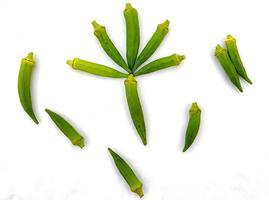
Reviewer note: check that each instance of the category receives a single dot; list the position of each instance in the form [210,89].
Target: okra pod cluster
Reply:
[231,62]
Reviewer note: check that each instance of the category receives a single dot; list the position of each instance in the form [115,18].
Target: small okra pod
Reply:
[135,107]
[108,46]
[132,34]
[67,129]
[128,174]
[152,45]
[160,63]
[228,66]
[94,68]
[235,57]
[24,85]
[193,125]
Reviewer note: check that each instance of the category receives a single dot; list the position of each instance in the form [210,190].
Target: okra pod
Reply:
[24,85]
[108,46]
[228,66]
[94,68]
[152,45]
[67,129]
[193,125]
[128,174]
[235,57]
[132,34]
[135,107]
[160,63]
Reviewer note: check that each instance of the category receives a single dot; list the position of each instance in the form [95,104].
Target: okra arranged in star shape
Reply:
[231,62]
[133,63]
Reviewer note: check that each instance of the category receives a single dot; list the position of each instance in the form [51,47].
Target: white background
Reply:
[229,159]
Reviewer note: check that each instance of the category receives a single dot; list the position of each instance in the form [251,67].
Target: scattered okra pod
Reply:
[193,125]
[94,68]
[24,85]
[132,34]
[108,46]
[160,63]
[228,66]
[125,170]
[152,45]
[135,107]
[235,57]
[67,129]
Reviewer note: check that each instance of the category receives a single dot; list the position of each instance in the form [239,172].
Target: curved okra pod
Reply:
[67,129]
[125,170]
[132,34]
[135,107]
[193,125]
[160,63]
[154,42]
[24,85]
[228,66]
[94,68]
[108,46]
[235,57]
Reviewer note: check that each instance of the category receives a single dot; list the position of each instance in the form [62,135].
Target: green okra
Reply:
[193,125]
[135,107]
[132,34]
[152,45]
[160,63]
[235,57]
[24,85]
[108,46]
[94,68]
[67,129]
[128,174]
[228,66]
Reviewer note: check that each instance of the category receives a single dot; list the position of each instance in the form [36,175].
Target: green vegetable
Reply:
[132,34]
[125,170]
[135,107]
[108,46]
[154,42]
[235,57]
[160,63]
[67,129]
[228,66]
[193,125]
[24,85]
[94,68]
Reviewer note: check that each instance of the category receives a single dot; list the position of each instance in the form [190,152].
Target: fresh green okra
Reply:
[67,129]
[94,68]
[24,85]
[193,125]
[228,66]
[132,34]
[135,107]
[154,42]
[108,46]
[125,170]
[160,63]
[235,57]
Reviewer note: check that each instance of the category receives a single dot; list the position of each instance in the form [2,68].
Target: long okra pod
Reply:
[160,63]
[152,45]
[235,57]
[108,46]
[135,107]
[228,66]
[125,170]
[24,85]
[94,68]
[67,129]
[132,34]
[193,125]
